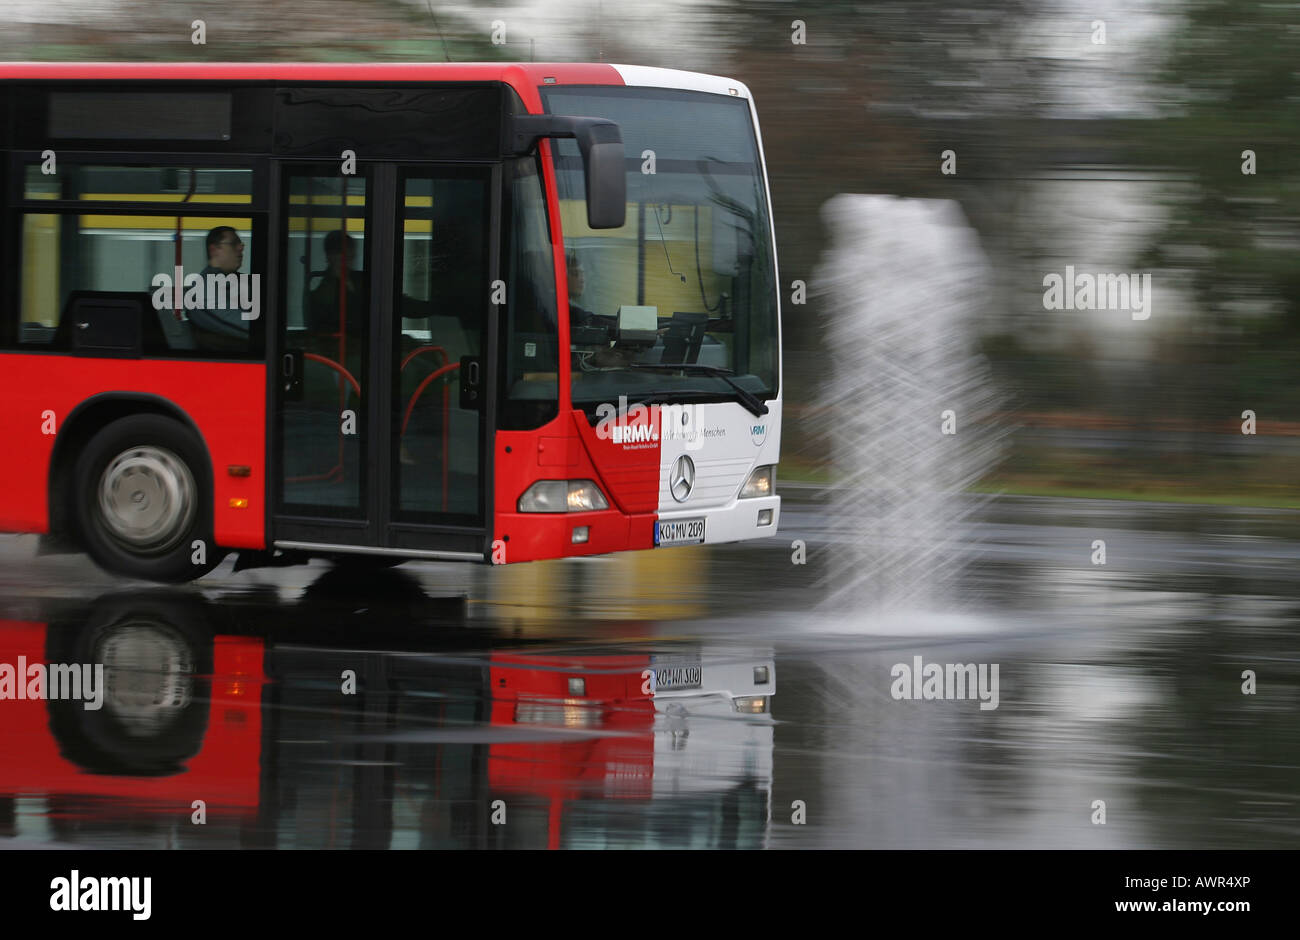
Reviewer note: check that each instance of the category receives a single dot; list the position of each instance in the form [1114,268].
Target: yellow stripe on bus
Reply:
[159,223]
[190,224]
[325,199]
[165,197]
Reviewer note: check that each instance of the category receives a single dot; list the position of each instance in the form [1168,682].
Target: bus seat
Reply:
[172,334]
[109,323]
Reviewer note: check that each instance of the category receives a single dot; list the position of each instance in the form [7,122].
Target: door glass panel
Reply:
[327,326]
[442,291]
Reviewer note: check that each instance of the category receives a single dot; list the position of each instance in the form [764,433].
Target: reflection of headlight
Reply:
[147,676]
[569,712]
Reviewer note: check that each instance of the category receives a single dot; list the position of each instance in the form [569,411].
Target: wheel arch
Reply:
[81,424]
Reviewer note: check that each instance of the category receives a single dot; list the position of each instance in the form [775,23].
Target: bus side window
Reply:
[94,248]
[529,374]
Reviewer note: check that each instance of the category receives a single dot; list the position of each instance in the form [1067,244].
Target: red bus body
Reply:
[226,403]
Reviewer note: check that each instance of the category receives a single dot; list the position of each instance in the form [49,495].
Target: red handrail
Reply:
[422,349]
[415,396]
[446,424]
[410,407]
[337,470]
[337,368]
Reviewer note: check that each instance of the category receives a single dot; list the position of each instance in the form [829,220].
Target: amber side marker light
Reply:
[238,502]
[238,470]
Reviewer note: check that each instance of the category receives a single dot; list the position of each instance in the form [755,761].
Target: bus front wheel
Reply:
[144,500]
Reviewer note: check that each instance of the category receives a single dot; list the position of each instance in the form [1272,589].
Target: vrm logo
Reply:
[633,434]
[758,434]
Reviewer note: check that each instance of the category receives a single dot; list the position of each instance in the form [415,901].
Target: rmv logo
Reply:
[633,434]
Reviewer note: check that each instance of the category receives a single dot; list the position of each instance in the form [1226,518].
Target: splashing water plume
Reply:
[902,282]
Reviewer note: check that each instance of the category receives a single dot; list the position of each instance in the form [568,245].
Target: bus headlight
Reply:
[762,482]
[562,496]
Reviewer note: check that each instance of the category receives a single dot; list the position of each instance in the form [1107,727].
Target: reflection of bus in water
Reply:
[255,725]
[687,735]
[179,717]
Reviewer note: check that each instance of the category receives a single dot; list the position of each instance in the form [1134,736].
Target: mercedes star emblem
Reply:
[682,480]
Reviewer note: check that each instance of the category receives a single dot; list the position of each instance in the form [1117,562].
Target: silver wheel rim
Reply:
[147,498]
[148,675]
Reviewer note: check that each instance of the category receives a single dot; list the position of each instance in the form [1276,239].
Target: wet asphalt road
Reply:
[443,706]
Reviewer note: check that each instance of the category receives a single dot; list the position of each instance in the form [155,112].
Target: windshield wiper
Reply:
[663,395]
[747,398]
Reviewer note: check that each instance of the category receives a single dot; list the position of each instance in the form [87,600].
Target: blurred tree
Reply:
[1231,85]
[253,30]
[870,99]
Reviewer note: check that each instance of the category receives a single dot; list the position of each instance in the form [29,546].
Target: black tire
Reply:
[160,466]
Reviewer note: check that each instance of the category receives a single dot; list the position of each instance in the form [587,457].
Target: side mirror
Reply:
[601,144]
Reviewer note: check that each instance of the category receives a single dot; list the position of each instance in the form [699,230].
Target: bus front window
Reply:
[689,280]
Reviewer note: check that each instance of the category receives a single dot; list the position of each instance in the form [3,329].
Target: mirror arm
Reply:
[527,129]
[601,143]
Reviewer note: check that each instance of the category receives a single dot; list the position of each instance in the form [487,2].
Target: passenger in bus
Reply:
[604,356]
[578,316]
[222,329]
[326,314]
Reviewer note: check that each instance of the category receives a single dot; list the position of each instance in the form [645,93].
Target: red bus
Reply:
[477,312]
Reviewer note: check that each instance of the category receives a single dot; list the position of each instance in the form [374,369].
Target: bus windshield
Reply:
[689,279]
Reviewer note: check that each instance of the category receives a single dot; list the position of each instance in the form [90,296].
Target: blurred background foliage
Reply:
[1115,156]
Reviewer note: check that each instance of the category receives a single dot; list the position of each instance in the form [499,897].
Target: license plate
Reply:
[675,678]
[679,532]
